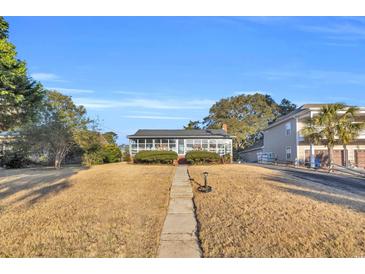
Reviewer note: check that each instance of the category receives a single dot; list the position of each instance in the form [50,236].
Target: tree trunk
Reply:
[330,158]
[345,156]
[58,160]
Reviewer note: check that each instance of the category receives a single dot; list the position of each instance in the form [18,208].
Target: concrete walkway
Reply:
[178,238]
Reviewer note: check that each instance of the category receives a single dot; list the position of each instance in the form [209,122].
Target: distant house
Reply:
[250,153]
[283,139]
[181,140]
[6,138]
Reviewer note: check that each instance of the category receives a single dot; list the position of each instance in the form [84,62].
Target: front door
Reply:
[180,147]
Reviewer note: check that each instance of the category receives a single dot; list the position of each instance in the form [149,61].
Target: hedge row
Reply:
[202,157]
[155,157]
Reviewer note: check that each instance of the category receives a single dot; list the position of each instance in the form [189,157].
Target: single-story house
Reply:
[6,137]
[181,140]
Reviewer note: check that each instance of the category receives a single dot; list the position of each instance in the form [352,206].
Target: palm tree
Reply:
[323,128]
[348,130]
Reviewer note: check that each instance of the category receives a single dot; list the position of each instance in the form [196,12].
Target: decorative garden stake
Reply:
[205,188]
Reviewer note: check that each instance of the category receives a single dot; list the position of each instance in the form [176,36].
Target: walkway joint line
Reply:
[178,237]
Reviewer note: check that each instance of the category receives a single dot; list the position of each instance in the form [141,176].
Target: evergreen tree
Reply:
[20,96]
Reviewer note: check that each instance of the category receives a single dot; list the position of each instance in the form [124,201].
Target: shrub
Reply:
[201,157]
[127,157]
[112,153]
[226,159]
[155,157]
[93,158]
[14,160]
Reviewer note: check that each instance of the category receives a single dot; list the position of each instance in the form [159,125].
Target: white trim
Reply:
[181,137]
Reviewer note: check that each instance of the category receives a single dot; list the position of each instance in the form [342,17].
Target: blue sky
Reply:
[160,72]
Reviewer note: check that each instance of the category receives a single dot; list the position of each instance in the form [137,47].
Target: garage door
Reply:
[360,158]
[322,156]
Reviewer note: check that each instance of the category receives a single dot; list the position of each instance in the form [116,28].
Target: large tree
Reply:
[286,107]
[192,125]
[245,115]
[20,96]
[111,137]
[57,126]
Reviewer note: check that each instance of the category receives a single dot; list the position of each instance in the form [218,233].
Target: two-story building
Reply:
[284,141]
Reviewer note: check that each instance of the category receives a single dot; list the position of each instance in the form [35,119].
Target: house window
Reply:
[149,144]
[288,153]
[172,144]
[189,145]
[288,129]
[212,145]
[205,144]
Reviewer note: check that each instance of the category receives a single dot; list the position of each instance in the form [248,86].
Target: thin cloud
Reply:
[129,92]
[152,117]
[144,103]
[71,90]
[346,31]
[324,76]
[45,76]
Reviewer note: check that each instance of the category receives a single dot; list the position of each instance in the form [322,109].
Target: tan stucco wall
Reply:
[351,150]
[276,141]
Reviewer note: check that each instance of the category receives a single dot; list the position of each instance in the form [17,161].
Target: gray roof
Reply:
[166,133]
[258,145]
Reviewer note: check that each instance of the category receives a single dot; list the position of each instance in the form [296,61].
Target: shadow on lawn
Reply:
[318,193]
[32,185]
[193,181]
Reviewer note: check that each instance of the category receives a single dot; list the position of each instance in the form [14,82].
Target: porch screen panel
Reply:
[149,144]
[189,144]
[133,144]
[141,144]
[221,147]
[205,144]
[197,144]
[164,144]
[212,145]
[157,144]
[172,144]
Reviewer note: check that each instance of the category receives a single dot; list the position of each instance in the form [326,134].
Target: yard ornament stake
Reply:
[205,188]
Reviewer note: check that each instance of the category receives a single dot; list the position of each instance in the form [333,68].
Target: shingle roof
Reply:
[259,144]
[218,133]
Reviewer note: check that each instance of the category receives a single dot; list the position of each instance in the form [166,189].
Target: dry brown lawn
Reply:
[114,210]
[253,212]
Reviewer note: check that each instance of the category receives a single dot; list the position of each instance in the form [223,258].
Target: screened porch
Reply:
[181,146]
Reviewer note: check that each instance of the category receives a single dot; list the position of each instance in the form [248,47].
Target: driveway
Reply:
[32,184]
[355,185]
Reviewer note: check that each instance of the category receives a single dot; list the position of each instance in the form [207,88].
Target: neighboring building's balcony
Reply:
[301,138]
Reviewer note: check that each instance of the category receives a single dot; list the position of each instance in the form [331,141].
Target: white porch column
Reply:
[153,144]
[311,150]
[137,145]
[231,143]
[312,158]
[130,147]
